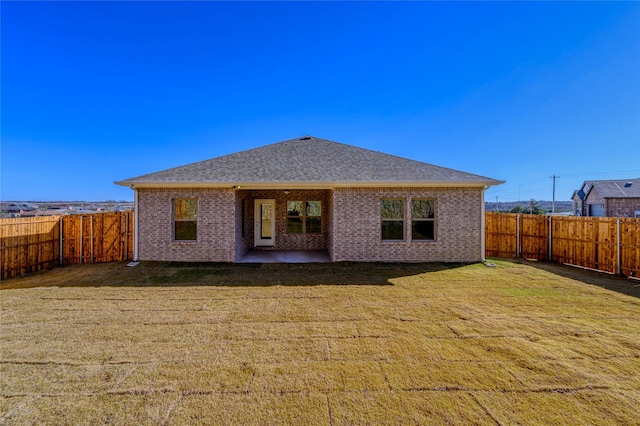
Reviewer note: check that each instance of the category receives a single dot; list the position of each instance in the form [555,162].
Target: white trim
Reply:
[310,185]
[258,241]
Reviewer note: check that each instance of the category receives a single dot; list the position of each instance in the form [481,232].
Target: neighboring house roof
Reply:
[16,207]
[306,162]
[623,188]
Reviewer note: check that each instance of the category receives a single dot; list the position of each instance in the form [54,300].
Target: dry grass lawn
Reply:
[330,344]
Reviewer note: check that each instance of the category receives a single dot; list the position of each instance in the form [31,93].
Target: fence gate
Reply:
[32,244]
[603,243]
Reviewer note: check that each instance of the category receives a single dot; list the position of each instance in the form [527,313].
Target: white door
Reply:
[265,223]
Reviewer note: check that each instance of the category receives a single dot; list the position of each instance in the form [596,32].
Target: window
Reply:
[423,219]
[185,219]
[422,216]
[392,218]
[304,217]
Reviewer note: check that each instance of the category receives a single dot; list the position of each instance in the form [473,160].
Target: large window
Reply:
[421,215]
[392,218]
[423,219]
[185,219]
[304,217]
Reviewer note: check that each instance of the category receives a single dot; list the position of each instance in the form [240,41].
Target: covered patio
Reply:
[284,221]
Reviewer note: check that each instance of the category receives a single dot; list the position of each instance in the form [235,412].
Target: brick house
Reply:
[310,194]
[613,198]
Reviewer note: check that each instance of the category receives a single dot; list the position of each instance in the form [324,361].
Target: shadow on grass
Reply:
[182,274]
[611,282]
[286,274]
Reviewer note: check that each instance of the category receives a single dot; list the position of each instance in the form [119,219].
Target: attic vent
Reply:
[305,138]
[628,184]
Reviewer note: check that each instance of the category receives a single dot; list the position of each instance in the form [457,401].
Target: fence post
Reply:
[91,225]
[126,236]
[61,243]
[518,250]
[618,248]
[550,238]
[81,241]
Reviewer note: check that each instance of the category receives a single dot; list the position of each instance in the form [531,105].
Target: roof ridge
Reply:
[614,180]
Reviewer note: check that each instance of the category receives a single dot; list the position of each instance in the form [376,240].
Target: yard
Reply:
[328,344]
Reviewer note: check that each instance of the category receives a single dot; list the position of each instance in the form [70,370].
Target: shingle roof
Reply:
[307,160]
[629,188]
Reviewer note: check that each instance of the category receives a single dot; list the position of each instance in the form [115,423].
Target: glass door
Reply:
[265,223]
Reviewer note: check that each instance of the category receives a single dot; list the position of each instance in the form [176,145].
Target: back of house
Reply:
[310,193]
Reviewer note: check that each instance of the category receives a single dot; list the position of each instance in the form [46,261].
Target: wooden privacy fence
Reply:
[32,244]
[604,243]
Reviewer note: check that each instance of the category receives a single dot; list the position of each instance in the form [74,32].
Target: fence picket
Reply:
[590,242]
[32,244]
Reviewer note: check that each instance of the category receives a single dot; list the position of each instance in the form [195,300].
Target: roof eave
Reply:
[312,185]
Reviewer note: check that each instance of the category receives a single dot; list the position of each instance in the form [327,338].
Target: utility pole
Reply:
[553,201]
[519,199]
[497,209]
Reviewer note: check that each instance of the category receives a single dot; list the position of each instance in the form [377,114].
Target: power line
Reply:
[603,173]
[511,188]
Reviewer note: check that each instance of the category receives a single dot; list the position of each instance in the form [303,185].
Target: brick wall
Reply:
[216,225]
[350,224]
[593,198]
[577,205]
[244,226]
[356,231]
[284,240]
[330,224]
[622,207]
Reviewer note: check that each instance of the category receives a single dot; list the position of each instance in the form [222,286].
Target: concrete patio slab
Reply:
[289,256]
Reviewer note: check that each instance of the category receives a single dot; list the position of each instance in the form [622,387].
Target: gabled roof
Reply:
[628,188]
[307,162]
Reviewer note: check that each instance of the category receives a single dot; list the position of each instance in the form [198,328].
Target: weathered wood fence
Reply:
[32,244]
[604,243]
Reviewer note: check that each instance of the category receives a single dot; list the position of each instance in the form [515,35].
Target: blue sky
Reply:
[95,92]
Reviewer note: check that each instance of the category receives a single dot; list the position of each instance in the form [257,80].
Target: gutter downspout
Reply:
[135,224]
